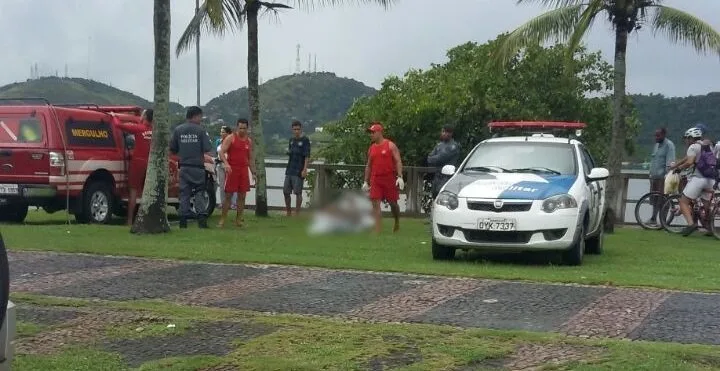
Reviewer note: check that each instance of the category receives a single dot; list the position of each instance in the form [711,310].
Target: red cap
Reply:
[375,127]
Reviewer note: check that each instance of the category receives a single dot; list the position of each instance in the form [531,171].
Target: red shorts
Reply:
[384,188]
[136,174]
[238,180]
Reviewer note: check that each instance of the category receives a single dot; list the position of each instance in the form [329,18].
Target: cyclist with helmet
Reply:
[697,183]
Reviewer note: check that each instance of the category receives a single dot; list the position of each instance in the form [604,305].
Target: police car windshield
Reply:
[523,157]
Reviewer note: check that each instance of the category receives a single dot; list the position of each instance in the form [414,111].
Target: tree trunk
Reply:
[617,140]
[253,70]
[152,216]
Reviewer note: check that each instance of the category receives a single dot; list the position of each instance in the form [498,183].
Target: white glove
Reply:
[365,187]
[400,183]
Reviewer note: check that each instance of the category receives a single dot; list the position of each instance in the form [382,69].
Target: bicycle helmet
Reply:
[693,133]
[703,128]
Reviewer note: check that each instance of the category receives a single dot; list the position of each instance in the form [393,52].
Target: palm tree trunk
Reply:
[152,216]
[253,70]
[617,140]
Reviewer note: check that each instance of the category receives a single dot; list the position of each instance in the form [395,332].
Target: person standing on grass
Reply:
[236,155]
[139,155]
[191,142]
[297,167]
[383,175]
[662,157]
[220,171]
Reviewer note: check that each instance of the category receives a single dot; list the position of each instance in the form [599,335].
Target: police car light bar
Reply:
[537,126]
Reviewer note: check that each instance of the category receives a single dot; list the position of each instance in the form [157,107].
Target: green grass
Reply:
[303,343]
[633,257]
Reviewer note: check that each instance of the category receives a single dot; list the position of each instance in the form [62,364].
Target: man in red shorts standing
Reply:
[383,175]
[237,157]
[139,155]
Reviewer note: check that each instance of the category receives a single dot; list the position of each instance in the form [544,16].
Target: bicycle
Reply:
[671,210]
[654,198]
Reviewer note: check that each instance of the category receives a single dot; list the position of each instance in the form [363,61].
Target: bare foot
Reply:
[221,223]
[239,222]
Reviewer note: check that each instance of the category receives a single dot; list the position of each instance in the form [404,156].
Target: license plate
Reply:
[496,224]
[9,189]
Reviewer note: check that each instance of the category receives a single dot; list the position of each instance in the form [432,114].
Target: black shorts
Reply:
[293,184]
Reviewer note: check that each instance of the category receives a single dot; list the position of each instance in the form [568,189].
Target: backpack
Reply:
[707,163]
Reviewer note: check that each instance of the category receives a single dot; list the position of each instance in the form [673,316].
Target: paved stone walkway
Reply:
[584,311]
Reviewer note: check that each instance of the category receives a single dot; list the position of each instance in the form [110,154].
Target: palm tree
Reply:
[570,20]
[152,216]
[220,16]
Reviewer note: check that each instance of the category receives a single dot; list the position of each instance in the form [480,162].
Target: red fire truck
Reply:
[73,157]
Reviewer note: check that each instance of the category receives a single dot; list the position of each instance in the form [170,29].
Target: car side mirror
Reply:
[447,170]
[598,173]
[129,141]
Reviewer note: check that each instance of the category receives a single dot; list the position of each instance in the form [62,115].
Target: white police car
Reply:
[532,191]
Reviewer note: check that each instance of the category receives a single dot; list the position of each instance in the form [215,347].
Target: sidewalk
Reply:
[583,311]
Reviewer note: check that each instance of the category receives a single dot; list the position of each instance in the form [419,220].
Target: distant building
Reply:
[318,129]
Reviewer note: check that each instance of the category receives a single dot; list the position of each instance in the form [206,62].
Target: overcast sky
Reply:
[366,43]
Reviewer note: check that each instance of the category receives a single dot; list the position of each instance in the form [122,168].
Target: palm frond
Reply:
[684,28]
[558,23]
[587,18]
[309,5]
[214,17]
[554,3]
[273,9]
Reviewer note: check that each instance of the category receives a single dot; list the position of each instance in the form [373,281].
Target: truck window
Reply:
[97,134]
[19,130]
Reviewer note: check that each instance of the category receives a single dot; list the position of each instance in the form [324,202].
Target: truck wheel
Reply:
[14,213]
[441,252]
[97,203]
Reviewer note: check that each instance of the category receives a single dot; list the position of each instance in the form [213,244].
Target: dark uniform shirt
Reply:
[444,153]
[298,151]
[191,142]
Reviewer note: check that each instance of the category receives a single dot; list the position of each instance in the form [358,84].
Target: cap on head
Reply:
[375,127]
[702,127]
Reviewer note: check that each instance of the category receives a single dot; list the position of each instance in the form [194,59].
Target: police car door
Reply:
[593,189]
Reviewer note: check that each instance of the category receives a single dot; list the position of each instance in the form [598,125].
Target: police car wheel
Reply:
[441,252]
[209,195]
[594,244]
[574,255]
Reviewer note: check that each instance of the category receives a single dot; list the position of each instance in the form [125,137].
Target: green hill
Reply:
[676,114]
[313,98]
[61,90]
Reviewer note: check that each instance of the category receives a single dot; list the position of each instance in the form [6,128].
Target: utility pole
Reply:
[315,66]
[197,55]
[297,60]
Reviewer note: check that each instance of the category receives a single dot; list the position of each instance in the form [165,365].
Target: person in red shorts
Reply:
[237,157]
[139,155]
[383,175]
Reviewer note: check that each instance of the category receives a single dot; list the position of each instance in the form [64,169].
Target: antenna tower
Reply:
[297,60]
[309,65]
[315,67]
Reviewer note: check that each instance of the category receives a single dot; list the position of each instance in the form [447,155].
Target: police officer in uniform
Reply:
[191,142]
[446,152]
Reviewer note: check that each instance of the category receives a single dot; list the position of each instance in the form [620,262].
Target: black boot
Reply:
[183,222]
[202,222]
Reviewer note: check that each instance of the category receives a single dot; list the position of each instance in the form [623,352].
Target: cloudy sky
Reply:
[111,41]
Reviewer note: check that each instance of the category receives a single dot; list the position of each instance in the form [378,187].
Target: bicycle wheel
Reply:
[670,216]
[715,221]
[644,209]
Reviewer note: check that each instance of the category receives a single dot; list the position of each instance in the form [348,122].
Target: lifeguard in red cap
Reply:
[383,175]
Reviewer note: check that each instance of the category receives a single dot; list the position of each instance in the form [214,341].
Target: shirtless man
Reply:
[383,175]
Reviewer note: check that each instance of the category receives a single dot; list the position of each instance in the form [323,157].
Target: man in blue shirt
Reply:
[296,171]
[663,155]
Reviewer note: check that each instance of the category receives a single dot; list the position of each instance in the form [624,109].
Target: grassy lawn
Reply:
[136,332]
[633,257]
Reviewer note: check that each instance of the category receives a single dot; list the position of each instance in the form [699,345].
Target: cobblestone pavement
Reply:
[583,311]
